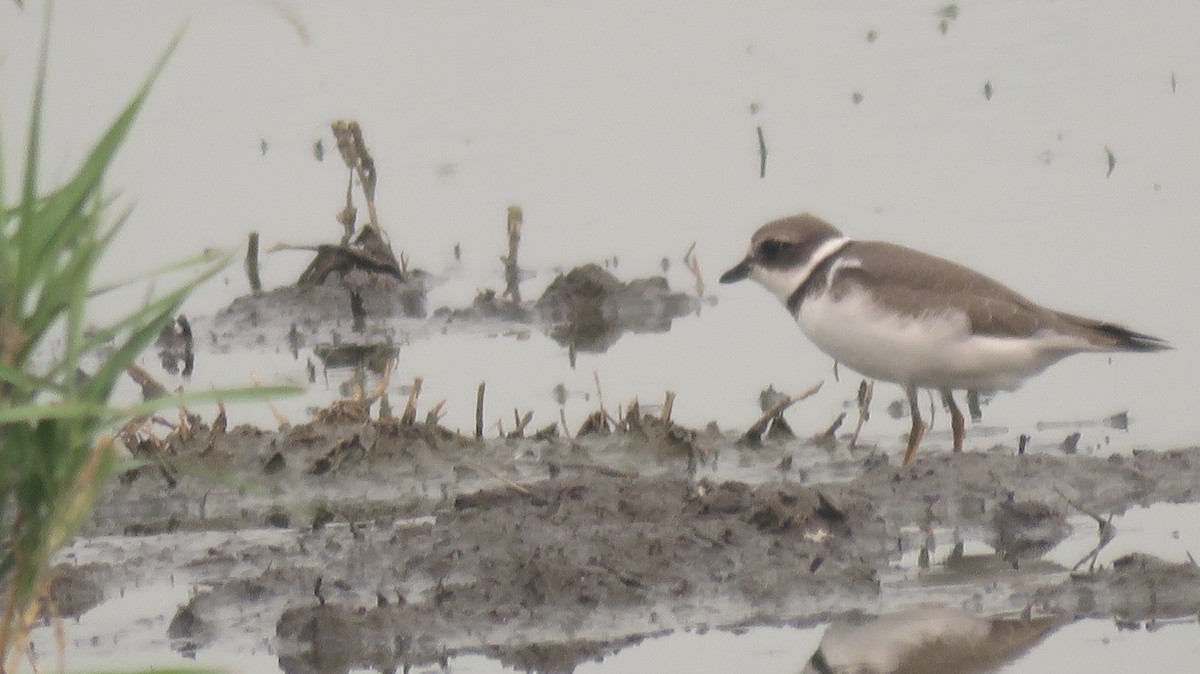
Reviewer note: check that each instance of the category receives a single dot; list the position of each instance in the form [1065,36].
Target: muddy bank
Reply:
[378,544]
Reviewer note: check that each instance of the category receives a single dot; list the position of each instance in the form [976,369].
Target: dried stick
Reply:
[151,388]
[668,404]
[435,413]
[829,435]
[522,422]
[512,272]
[409,417]
[600,396]
[358,159]
[562,416]
[479,410]
[496,474]
[754,433]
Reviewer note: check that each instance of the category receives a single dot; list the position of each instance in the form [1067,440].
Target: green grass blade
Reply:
[105,414]
[208,256]
[87,180]
[26,382]
[25,233]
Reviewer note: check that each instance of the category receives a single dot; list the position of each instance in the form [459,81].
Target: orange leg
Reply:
[918,426]
[957,423]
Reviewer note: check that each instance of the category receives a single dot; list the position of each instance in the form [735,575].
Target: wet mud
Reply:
[360,540]
[399,544]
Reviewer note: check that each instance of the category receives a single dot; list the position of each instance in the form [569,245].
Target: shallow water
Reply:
[626,130]
[622,138]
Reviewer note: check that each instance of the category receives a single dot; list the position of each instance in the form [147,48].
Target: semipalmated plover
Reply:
[927,640]
[896,314]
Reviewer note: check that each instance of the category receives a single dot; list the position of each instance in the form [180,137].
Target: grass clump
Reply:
[57,376]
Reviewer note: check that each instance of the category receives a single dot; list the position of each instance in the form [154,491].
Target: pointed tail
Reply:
[1115,337]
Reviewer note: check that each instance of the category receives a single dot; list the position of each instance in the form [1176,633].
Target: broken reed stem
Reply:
[693,264]
[358,159]
[410,408]
[435,413]
[496,474]
[151,388]
[479,410]
[562,416]
[384,380]
[512,272]
[829,434]
[521,422]
[785,401]
[668,404]
[349,214]
[599,393]
[866,391]
[252,264]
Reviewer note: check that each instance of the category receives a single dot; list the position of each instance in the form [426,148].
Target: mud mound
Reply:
[570,557]
[590,308]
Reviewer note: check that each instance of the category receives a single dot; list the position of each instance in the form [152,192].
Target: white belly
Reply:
[934,351]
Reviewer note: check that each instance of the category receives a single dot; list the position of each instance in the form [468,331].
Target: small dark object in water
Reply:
[374,357]
[1070,444]
[357,312]
[1119,421]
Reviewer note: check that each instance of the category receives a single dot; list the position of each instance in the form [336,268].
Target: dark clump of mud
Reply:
[327,302]
[590,308]
[75,589]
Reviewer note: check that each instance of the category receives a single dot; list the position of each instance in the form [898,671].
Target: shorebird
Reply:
[899,315]
[927,640]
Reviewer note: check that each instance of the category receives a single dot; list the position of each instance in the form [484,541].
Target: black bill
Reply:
[741,271]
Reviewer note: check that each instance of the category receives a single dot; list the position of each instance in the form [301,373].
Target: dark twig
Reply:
[479,410]
[762,153]
[252,264]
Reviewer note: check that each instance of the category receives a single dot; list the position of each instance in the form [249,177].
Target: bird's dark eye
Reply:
[770,251]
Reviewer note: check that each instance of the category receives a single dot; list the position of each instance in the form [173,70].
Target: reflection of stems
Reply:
[252,264]
[693,265]
[1107,533]
[866,391]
